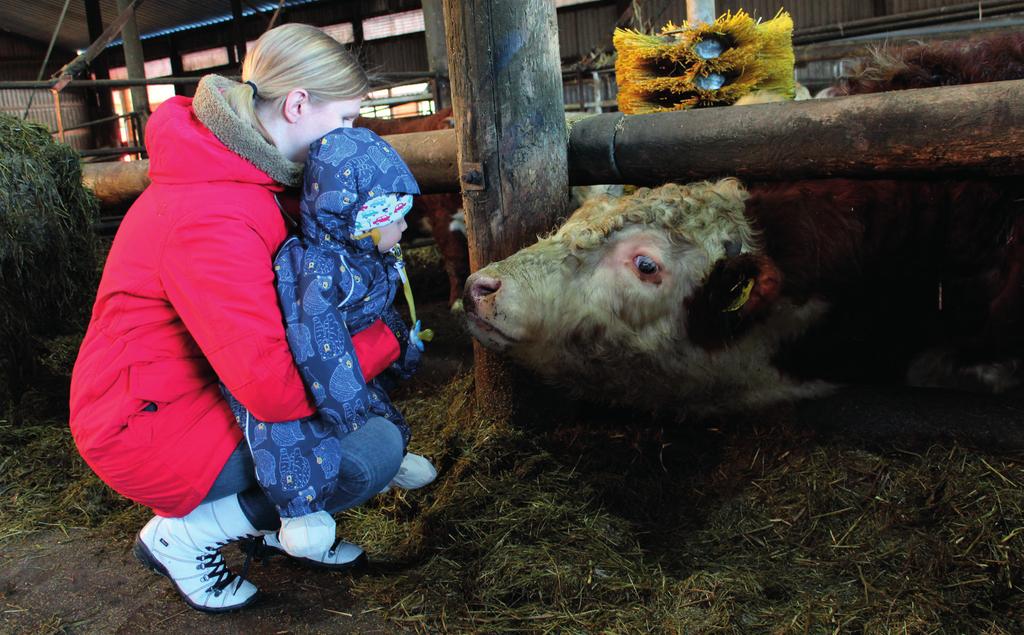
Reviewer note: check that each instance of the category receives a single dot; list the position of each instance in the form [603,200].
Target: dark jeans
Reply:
[370,458]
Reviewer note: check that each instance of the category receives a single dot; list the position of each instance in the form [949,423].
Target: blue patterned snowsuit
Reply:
[330,286]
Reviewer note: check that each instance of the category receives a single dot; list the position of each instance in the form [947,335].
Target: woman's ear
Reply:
[296,103]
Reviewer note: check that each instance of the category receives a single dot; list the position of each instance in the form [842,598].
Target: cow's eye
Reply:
[645,265]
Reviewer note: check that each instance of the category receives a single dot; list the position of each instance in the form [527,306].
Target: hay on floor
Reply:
[607,521]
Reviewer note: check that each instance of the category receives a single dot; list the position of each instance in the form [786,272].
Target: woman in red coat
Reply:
[187,297]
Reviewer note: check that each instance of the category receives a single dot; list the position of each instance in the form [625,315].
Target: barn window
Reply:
[153,68]
[340,32]
[393,24]
[407,109]
[207,58]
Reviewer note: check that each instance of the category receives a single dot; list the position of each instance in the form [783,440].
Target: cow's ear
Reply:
[736,295]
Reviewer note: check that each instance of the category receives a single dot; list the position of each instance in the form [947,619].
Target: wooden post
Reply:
[357,22]
[236,31]
[510,128]
[135,62]
[177,68]
[437,52]
[100,100]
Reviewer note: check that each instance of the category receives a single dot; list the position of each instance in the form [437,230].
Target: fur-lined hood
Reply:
[213,110]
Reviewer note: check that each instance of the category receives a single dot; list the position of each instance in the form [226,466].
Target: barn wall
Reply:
[405,53]
[902,6]
[805,14]
[19,60]
[585,28]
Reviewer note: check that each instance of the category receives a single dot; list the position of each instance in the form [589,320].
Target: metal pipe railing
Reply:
[94,122]
[900,21]
[106,152]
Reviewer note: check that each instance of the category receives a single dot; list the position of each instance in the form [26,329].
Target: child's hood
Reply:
[353,170]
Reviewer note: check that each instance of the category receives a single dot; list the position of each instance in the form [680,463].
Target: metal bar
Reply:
[983,7]
[47,84]
[72,67]
[394,101]
[60,116]
[604,103]
[277,14]
[901,21]
[49,50]
[236,30]
[826,51]
[95,122]
[106,152]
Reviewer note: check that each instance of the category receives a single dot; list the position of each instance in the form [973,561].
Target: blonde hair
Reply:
[295,56]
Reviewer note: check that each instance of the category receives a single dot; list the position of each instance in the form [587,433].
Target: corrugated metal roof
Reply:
[38,18]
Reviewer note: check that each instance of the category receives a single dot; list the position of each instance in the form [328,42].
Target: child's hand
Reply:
[417,337]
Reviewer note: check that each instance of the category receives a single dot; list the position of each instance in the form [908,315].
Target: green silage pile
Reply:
[48,251]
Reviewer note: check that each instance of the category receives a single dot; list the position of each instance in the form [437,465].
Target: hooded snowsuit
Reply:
[330,284]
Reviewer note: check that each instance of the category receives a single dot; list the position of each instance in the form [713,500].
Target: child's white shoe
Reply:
[307,536]
[415,472]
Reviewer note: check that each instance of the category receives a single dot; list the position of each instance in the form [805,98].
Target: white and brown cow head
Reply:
[653,298]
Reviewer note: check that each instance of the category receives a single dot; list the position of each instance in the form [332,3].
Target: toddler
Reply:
[339,276]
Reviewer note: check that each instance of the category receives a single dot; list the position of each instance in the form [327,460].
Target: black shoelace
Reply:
[220,574]
[250,553]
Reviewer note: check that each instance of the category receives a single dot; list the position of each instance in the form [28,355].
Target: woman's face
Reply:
[302,120]
[320,118]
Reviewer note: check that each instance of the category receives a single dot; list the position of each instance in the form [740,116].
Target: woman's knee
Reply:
[371,457]
[390,438]
[378,446]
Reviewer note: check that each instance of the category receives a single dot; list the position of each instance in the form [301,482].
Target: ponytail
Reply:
[295,56]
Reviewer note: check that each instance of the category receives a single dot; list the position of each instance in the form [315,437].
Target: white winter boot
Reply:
[186,550]
[311,539]
[415,472]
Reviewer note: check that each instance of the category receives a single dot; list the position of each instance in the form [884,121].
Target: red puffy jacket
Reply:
[187,297]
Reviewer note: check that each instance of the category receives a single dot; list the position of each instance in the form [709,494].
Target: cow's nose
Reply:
[478,288]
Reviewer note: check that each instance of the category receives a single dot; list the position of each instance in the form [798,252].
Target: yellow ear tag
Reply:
[373,233]
[742,298]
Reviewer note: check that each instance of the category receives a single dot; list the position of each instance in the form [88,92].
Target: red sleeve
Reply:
[217,273]
[376,347]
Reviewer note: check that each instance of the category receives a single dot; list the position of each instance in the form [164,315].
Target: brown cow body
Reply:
[844,278]
[956,62]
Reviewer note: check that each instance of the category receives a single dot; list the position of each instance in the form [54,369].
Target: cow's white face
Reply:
[553,309]
[602,305]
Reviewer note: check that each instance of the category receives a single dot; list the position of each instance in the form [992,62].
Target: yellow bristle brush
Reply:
[704,65]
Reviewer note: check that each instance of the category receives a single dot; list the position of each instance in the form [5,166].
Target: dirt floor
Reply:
[76,580]
[574,517]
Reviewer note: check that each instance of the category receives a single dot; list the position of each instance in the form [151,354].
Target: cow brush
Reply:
[704,65]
